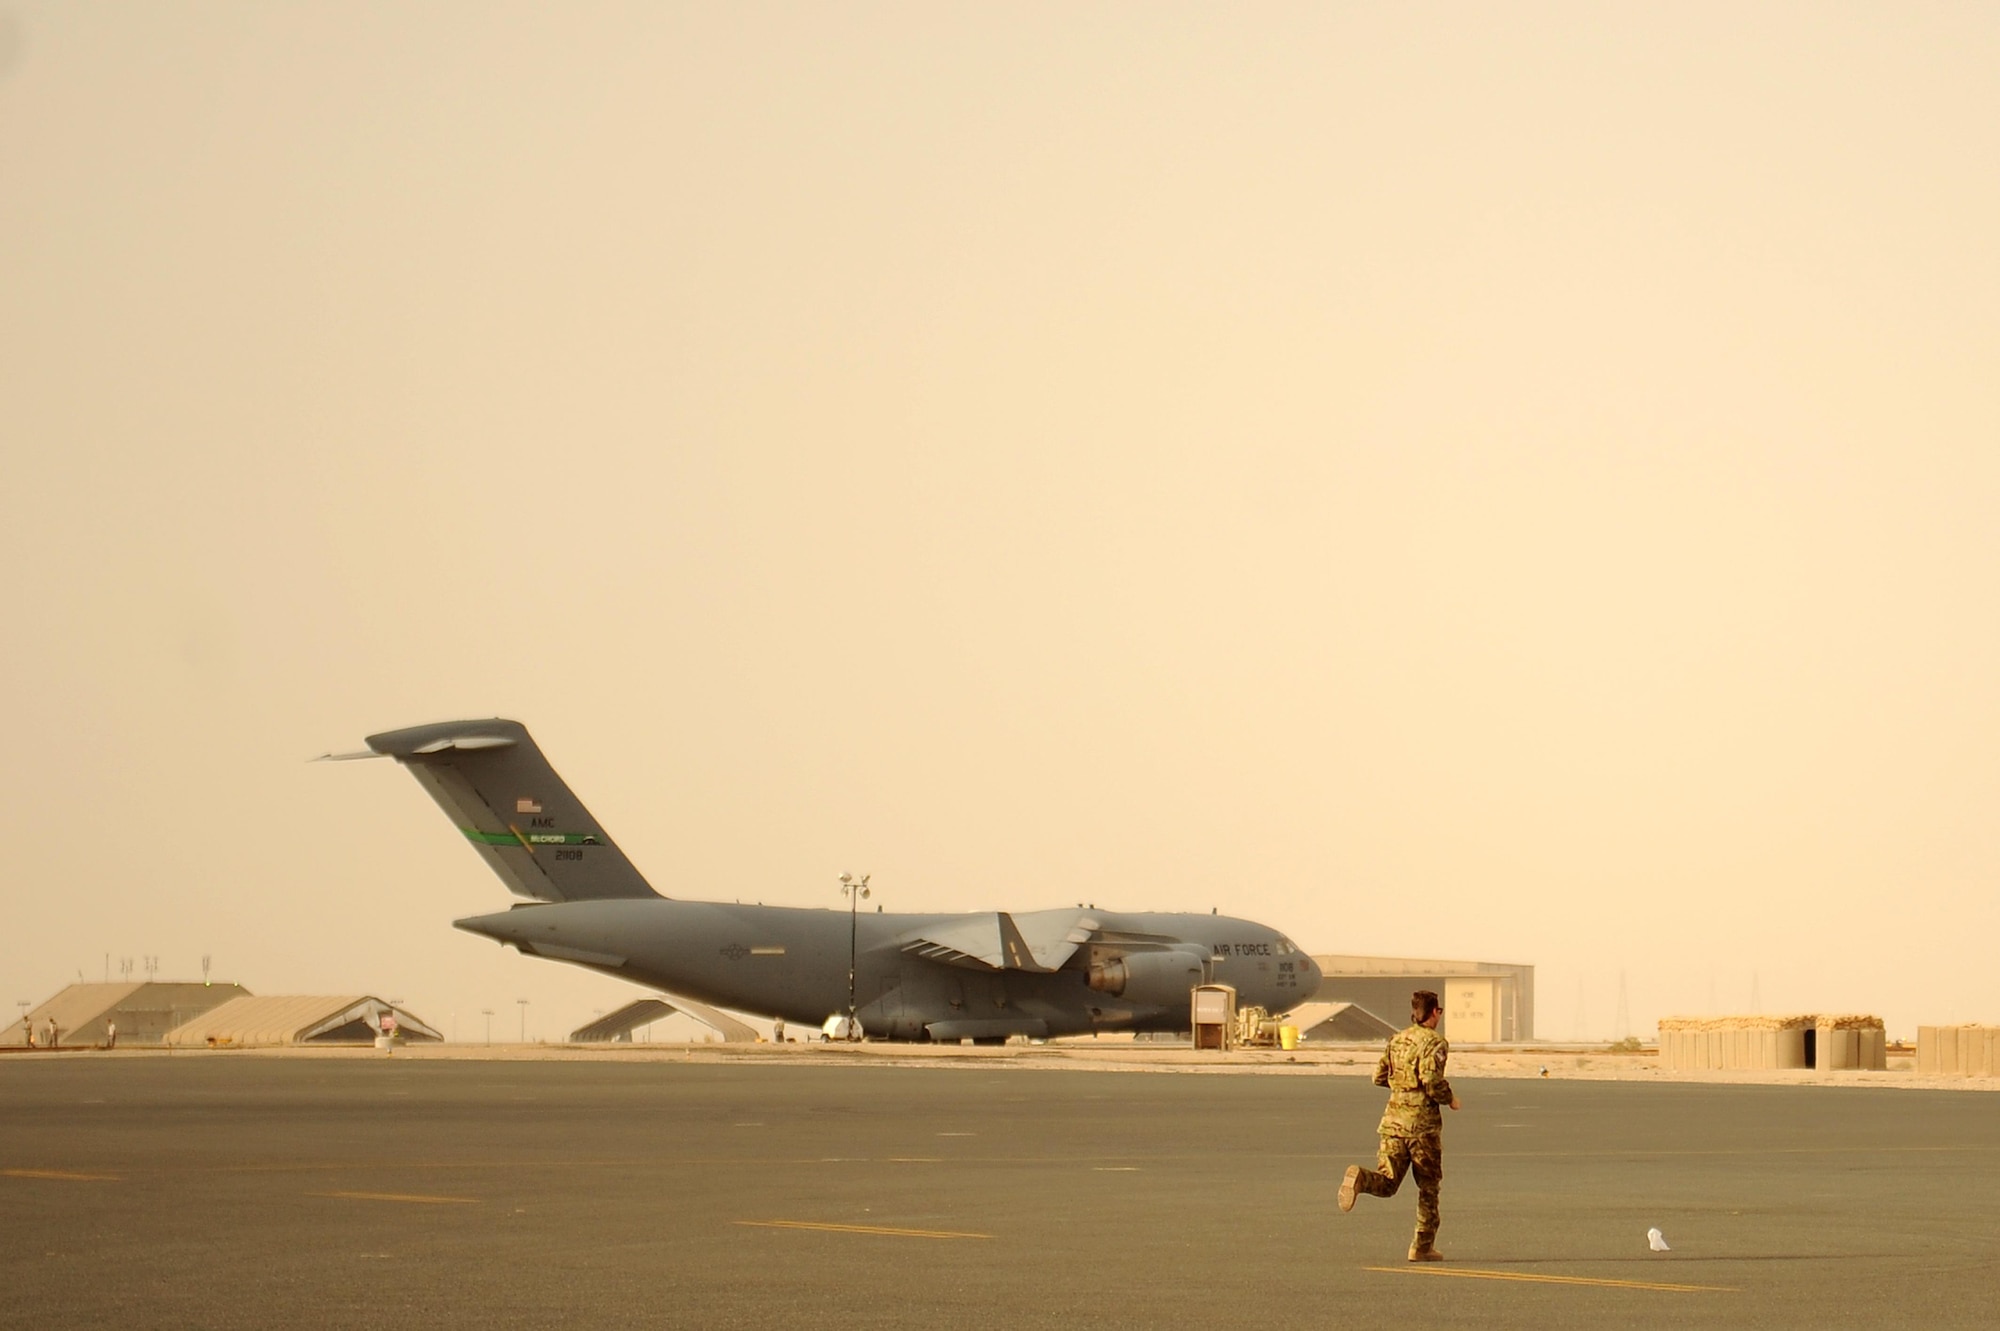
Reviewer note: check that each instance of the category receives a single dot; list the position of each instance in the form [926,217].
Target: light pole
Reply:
[524,1019]
[855,890]
[487,1013]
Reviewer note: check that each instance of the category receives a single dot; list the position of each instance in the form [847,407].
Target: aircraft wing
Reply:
[1053,936]
[1035,941]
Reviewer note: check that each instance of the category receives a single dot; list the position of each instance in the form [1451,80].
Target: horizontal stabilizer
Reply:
[467,742]
[470,736]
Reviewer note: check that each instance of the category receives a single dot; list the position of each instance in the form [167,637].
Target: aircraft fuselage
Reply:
[980,976]
[777,961]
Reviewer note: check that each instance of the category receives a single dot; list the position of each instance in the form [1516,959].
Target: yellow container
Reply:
[1288,1037]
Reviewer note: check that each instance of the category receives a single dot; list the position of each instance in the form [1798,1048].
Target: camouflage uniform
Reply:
[1412,1129]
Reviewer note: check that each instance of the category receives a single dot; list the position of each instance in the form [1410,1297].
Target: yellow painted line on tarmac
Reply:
[1529,1277]
[863,1229]
[1723,1151]
[66,1174]
[418,1198]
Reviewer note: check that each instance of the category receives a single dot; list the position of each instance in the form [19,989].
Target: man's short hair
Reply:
[1422,1004]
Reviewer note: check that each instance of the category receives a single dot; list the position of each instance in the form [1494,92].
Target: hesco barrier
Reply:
[1958,1051]
[1844,1042]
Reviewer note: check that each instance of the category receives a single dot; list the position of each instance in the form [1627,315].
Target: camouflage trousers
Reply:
[1423,1156]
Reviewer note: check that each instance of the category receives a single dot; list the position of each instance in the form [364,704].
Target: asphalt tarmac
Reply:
[232,1190]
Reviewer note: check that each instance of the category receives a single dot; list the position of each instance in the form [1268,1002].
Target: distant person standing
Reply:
[28,1028]
[1412,1129]
[110,1035]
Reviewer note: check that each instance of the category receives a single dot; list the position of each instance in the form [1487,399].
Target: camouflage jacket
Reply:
[1412,1067]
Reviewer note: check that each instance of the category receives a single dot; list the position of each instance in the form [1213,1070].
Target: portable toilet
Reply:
[1214,1015]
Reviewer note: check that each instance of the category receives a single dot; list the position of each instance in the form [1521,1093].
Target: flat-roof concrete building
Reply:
[1484,1001]
[144,1012]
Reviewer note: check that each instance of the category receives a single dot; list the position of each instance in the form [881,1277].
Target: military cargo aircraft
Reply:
[983,976]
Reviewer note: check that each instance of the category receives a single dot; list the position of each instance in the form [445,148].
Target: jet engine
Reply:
[1150,979]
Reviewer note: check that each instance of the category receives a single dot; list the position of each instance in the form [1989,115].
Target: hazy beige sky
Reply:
[1512,482]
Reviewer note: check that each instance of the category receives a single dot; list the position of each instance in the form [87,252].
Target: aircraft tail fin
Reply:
[493,782]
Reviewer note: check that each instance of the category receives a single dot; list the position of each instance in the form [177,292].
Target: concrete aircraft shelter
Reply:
[619,1025]
[1484,1001]
[144,1011]
[1334,1023]
[290,1019]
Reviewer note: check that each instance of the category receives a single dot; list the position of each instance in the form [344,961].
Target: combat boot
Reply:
[1347,1187]
[1424,1252]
